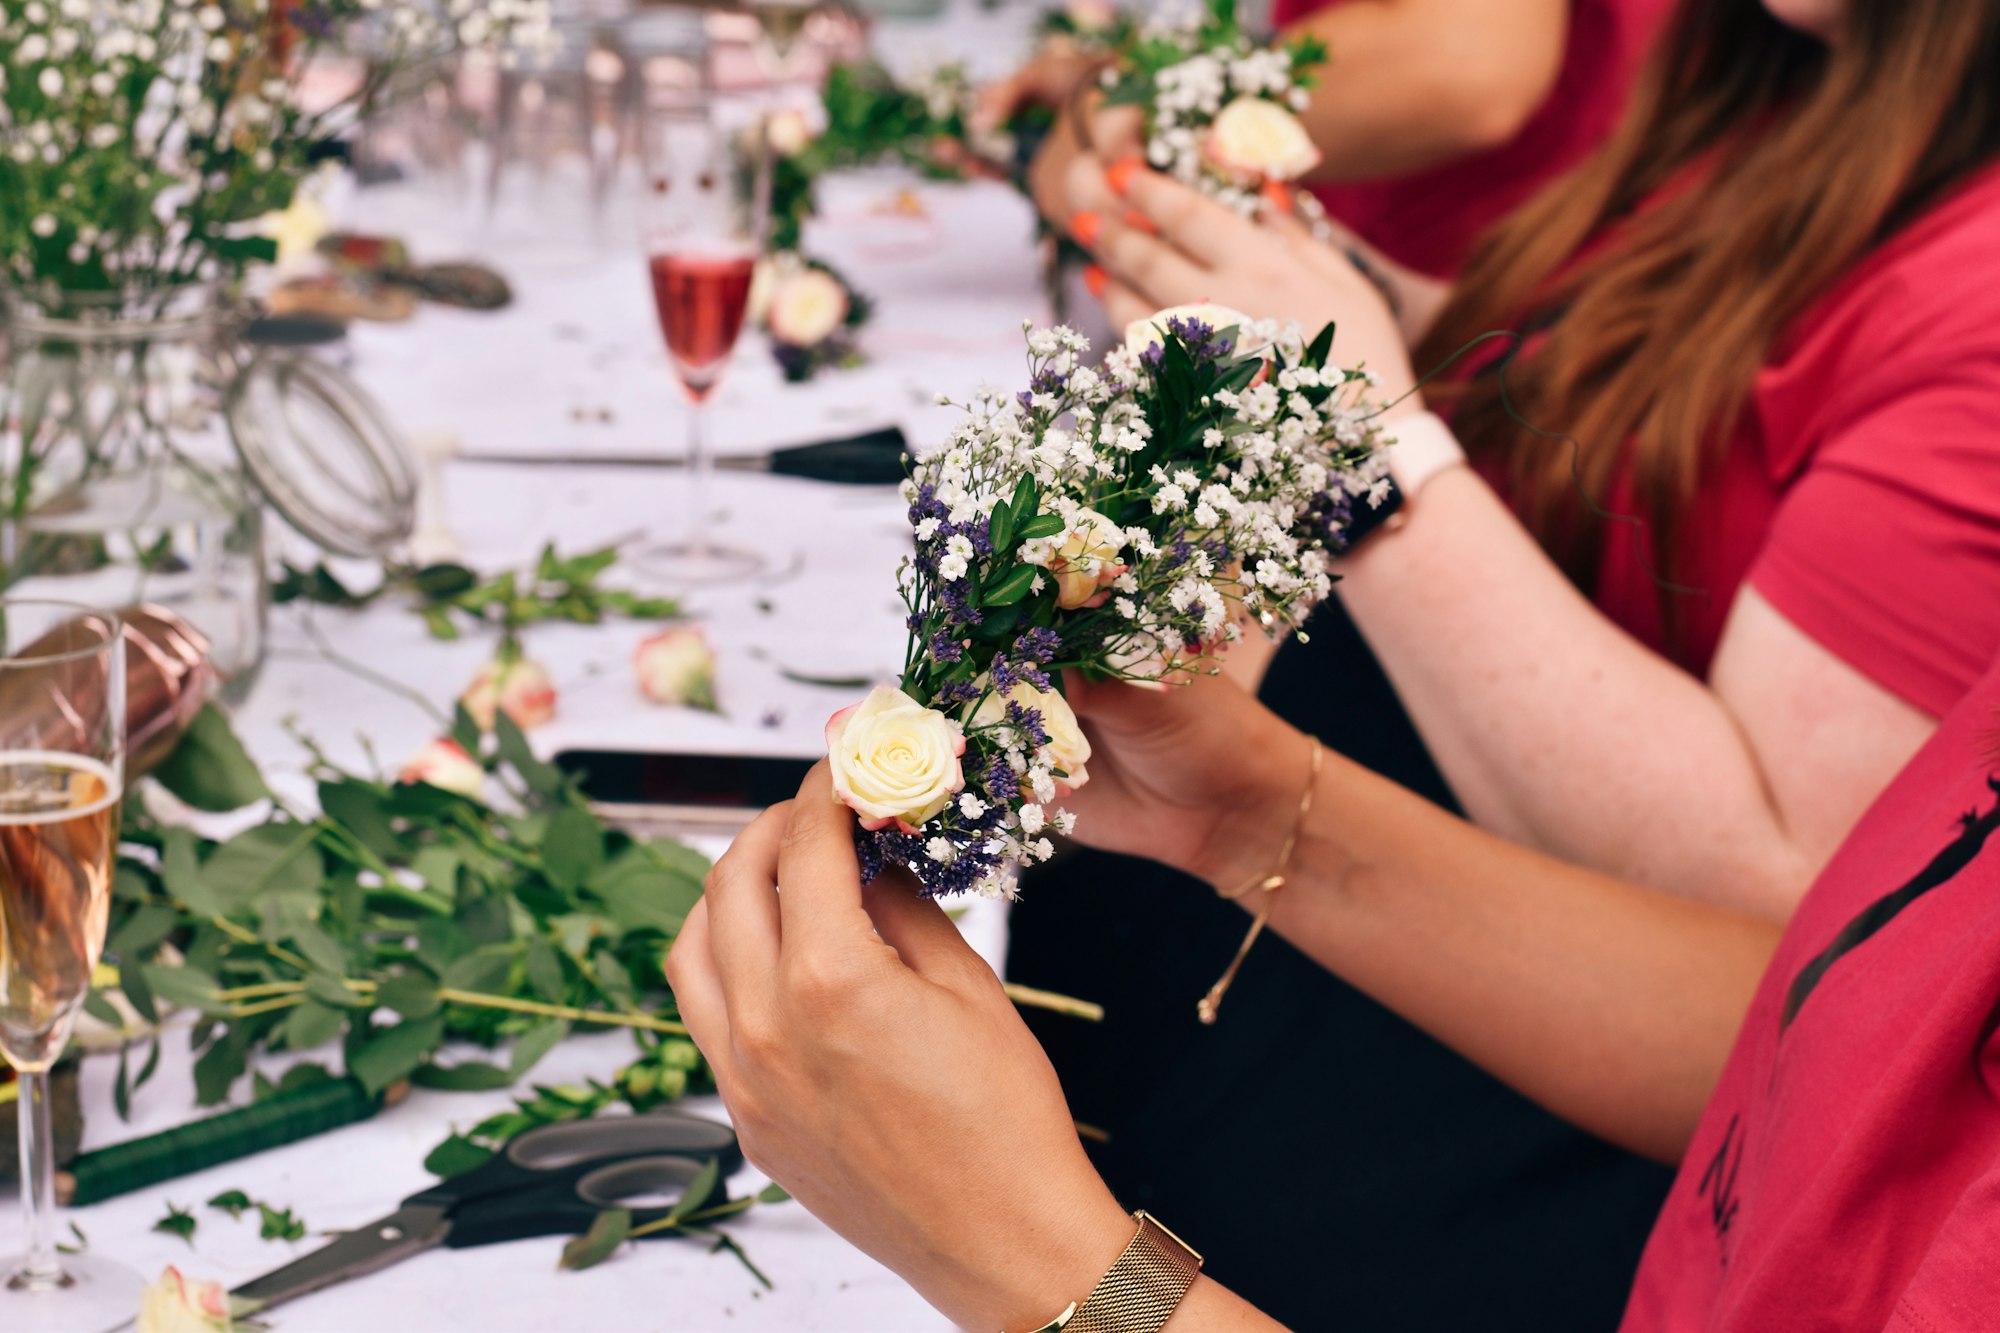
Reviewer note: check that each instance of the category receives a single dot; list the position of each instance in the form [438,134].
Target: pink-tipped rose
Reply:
[808,306]
[894,761]
[520,688]
[445,764]
[676,667]
[1069,748]
[176,1305]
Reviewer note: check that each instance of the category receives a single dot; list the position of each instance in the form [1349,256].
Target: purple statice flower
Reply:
[955,694]
[1204,341]
[1028,722]
[1002,787]
[1037,647]
[954,596]
[945,649]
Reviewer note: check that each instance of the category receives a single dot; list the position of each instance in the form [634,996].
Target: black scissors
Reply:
[550,1181]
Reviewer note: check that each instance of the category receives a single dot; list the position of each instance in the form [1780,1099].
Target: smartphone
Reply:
[682,794]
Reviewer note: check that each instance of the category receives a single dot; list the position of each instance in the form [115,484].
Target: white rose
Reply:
[788,132]
[176,1305]
[1069,748]
[521,689]
[1141,334]
[1257,140]
[677,667]
[894,761]
[444,763]
[1091,15]
[1084,559]
[807,308]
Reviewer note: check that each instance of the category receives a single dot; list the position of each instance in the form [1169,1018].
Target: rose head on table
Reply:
[1123,521]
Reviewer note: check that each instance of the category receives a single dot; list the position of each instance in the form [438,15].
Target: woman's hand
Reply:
[1070,178]
[1167,245]
[1199,776]
[875,1068]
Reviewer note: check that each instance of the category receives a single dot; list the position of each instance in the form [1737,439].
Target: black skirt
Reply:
[1335,1165]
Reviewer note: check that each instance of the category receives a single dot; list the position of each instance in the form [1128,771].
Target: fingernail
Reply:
[1279,196]
[1120,173]
[1084,227]
[1095,280]
[1140,222]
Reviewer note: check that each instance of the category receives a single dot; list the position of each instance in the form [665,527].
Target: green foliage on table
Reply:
[400,919]
[556,587]
[178,1222]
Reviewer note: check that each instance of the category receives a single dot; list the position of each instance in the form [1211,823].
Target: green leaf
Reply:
[209,769]
[465,731]
[221,1065]
[467,1076]
[1012,587]
[543,968]
[532,1045]
[320,949]
[594,1246]
[234,1202]
[699,1191]
[572,848]
[542,779]
[178,1222]
[260,858]
[278,1224]
[639,893]
[773,1194]
[396,1053]
[357,807]
[483,971]
[1041,525]
[437,866]
[329,991]
[456,1156]
[312,1024]
[184,985]
[1000,531]
[100,1008]
[142,932]
[138,991]
[411,994]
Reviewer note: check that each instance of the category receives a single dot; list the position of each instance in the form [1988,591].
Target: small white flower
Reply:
[971,806]
[50,81]
[941,851]
[44,225]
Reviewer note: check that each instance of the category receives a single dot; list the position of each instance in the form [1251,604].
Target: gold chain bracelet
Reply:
[1268,885]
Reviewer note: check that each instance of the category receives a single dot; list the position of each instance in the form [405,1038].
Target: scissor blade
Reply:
[409,1230]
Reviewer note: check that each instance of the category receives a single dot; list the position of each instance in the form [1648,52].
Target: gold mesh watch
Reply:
[1141,1291]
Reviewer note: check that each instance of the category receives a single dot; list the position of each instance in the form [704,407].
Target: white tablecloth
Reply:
[576,364]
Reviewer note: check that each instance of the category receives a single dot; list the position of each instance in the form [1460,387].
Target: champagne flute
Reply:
[707,204]
[62,770]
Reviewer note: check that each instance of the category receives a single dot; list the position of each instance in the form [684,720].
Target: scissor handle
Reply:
[562,1153]
[652,1187]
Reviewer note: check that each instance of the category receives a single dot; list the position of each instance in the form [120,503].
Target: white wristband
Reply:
[1420,447]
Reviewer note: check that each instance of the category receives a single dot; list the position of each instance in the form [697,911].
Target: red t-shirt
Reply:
[1861,496]
[1846,1174]
[1429,219]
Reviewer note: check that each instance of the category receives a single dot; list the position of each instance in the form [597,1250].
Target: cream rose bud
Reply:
[521,689]
[1084,559]
[176,1305]
[894,761]
[788,132]
[1069,748]
[1258,140]
[1141,334]
[676,667]
[807,307]
[444,763]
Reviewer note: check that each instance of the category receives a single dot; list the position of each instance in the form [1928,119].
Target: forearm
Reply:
[1553,726]
[1611,1005]
[1210,1307]
[1410,84]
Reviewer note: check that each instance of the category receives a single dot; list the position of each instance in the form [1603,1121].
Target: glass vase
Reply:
[119,482]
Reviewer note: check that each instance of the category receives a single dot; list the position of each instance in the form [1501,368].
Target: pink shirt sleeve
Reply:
[1953,1290]
[1886,551]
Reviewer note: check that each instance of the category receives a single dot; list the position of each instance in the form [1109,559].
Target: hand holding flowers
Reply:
[1119,522]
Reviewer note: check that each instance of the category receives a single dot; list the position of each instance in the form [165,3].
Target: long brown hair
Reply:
[1787,160]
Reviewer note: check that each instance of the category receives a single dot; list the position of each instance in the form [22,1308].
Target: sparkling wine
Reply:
[58,829]
[701,299]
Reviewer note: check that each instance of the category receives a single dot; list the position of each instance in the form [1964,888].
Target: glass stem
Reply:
[40,1270]
[698,477]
